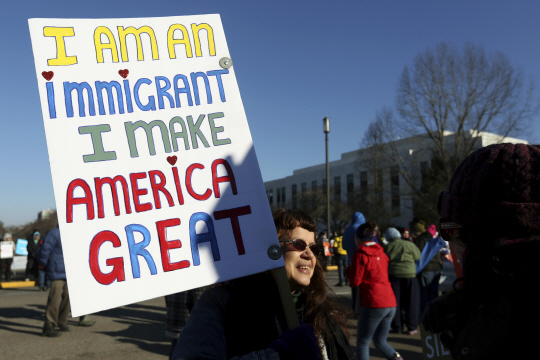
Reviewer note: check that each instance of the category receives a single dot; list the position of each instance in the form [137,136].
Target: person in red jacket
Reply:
[369,272]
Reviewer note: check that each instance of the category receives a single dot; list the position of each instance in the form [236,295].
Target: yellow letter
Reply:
[210,33]
[137,32]
[100,46]
[171,41]
[61,56]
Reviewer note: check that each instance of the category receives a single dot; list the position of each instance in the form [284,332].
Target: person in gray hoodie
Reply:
[402,255]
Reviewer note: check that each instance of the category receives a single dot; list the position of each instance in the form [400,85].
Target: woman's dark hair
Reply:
[318,304]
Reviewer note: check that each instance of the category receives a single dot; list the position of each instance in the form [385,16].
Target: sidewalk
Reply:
[135,331]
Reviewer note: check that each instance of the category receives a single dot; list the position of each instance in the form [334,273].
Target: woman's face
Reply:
[299,265]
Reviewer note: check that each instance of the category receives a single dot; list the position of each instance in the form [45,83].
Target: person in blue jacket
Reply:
[349,243]
[51,258]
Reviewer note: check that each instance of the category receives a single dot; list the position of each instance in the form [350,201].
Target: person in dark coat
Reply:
[430,275]
[51,258]
[32,248]
[243,319]
[490,214]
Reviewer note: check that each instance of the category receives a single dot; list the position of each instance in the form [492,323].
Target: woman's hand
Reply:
[299,343]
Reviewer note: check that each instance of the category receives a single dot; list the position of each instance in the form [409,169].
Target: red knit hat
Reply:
[496,191]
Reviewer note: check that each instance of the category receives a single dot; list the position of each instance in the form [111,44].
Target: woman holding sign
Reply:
[243,319]
[490,214]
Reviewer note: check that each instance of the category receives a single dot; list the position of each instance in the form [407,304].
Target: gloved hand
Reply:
[297,344]
[441,314]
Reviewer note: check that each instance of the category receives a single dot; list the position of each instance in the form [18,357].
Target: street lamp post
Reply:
[326,129]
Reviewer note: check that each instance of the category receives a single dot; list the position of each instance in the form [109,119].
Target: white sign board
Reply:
[157,185]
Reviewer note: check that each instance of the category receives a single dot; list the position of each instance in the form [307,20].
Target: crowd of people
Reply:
[489,217]
[489,227]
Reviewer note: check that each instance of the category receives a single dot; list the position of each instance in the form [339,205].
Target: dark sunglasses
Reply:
[446,229]
[301,245]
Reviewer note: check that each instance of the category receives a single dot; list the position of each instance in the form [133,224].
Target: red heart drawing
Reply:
[123,73]
[48,75]
[171,159]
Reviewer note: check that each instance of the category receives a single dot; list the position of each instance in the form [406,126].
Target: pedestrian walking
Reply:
[7,250]
[179,307]
[490,214]
[369,274]
[58,308]
[340,255]
[243,318]
[32,248]
[402,256]
[349,244]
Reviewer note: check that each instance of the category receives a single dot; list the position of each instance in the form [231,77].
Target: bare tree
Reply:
[450,90]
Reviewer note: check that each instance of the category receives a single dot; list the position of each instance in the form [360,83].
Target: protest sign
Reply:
[432,347]
[21,248]
[6,249]
[157,185]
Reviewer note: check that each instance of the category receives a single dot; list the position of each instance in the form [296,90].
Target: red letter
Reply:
[233,214]
[138,192]
[165,245]
[189,187]
[216,180]
[159,187]
[112,183]
[87,199]
[117,272]
[178,188]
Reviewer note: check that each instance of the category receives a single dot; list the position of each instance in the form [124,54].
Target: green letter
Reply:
[99,152]
[217,129]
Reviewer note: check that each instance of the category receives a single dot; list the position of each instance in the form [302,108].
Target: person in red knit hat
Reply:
[490,214]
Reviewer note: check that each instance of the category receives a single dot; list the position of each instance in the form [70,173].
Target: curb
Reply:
[16,284]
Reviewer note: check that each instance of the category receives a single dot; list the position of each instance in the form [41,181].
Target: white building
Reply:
[348,175]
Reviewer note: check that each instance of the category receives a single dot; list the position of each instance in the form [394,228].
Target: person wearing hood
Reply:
[402,255]
[6,257]
[430,274]
[32,248]
[349,244]
[369,274]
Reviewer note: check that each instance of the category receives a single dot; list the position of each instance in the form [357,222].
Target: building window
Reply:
[283,196]
[278,194]
[394,189]
[337,188]
[304,187]
[379,186]
[271,196]
[314,186]
[324,186]
[293,196]
[423,168]
[363,185]
[350,189]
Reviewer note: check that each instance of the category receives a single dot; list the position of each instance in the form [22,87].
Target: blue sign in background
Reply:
[20,249]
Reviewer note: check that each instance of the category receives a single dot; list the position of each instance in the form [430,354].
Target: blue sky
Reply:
[295,61]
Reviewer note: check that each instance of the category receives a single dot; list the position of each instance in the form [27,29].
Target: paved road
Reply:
[135,331]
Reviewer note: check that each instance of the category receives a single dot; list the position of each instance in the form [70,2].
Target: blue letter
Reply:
[68,88]
[196,239]
[186,89]
[217,74]
[100,85]
[139,249]
[151,103]
[128,96]
[162,91]
[50,99]
[194,76]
